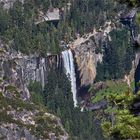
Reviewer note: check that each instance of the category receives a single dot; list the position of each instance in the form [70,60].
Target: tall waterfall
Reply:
[70,71]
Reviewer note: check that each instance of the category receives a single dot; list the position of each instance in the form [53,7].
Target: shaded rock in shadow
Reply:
[135,106]
[96,106]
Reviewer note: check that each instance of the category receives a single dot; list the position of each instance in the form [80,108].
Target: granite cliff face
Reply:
[29,67]
[11,73]
[36,68]
[20,118]
[88,52]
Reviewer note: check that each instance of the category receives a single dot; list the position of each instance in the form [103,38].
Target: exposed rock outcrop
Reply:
[88,52]
[19,117]
[28,68]
[8,3]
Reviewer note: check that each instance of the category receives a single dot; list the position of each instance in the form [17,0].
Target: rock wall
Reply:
[11,73]
[36,68]
[88,52]
[28,68]
[20,118]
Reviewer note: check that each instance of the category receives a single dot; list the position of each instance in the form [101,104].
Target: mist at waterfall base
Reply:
[68,61]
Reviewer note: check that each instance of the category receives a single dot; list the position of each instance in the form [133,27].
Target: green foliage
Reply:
[138,17]
[117,59]
[117,120]
[126,126]
[35,86]
[35,89]
[4,20]
[122,124]
[113,88]
[19,26]
[58,99]
[10,88]
[88,14]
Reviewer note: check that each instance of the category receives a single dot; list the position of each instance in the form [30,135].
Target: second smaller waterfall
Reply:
[70,71]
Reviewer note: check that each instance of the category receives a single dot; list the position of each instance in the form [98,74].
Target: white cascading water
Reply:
[70,71]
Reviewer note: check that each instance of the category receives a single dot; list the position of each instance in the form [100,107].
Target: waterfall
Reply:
[70,71]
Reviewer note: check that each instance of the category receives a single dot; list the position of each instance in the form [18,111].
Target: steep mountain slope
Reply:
[20,118]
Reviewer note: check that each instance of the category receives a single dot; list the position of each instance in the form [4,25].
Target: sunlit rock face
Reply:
[87,57]
[88,52]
